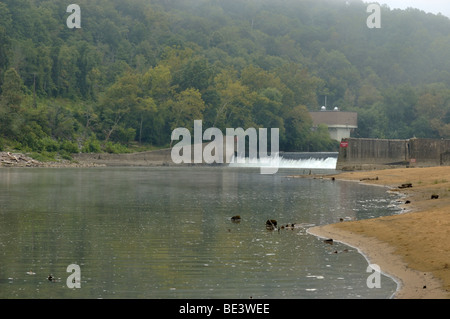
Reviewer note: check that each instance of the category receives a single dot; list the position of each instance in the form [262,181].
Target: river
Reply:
[166,232]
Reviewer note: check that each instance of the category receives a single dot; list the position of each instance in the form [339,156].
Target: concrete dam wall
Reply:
[363,153]
[354,154]
[150,158]
[162,157]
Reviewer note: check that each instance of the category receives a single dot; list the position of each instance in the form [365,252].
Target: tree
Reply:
[196,74]
[158,82]
[5,26]
[399,107]
[267,109]
[120,99]
[12,89]
[60,122]
[338,73]
[10,103]
[320,140]
[187,107]
[68,71]
[145,107]
[236,102]
[303,87]
[298,125]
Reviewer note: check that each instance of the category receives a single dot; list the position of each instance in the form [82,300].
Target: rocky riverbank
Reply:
[8,159]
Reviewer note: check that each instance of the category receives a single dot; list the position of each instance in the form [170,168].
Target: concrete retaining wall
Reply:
[150,158]
[161,157]
[364,153]
[429,152]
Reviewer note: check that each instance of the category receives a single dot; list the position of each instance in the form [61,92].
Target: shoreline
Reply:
[409,247]
[14,160]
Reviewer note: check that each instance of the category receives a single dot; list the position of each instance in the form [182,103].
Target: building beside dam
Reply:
[340,124]
[366,153]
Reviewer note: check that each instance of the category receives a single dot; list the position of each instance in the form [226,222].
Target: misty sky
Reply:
[433,6]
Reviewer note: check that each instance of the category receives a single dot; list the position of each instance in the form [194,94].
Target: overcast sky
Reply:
[433,6]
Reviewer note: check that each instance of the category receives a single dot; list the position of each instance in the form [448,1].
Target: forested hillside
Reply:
[137,69]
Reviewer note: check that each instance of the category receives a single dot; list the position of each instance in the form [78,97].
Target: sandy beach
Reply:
[412,247]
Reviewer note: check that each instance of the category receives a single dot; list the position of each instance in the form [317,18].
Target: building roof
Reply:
[335,118]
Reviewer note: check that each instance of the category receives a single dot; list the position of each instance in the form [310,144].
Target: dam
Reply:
[365,153]
[354,154]
[302,160]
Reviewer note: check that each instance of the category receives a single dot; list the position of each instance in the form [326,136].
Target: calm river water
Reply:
[165,232]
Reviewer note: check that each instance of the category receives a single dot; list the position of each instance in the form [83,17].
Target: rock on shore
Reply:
[17,160]
[8,159]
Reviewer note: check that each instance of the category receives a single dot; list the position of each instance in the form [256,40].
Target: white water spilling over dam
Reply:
[304,160]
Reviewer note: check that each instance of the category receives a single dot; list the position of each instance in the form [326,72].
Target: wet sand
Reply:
[412,247]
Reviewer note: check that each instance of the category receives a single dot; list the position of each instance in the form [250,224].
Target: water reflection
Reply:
[167,233]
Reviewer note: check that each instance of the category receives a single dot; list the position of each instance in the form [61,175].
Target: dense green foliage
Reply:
[137,69]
